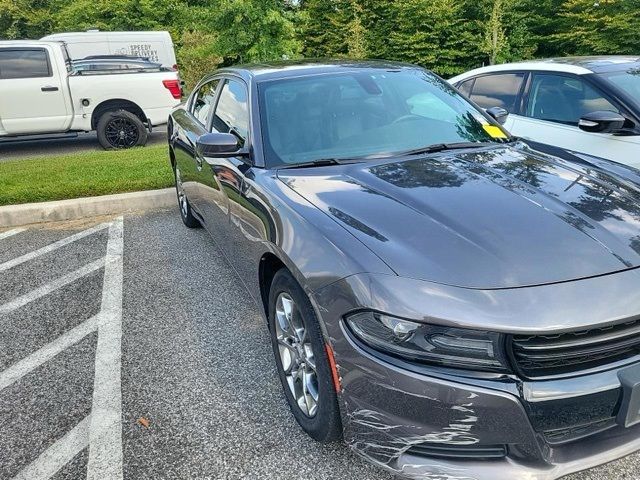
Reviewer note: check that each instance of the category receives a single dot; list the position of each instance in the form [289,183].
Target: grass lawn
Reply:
[84,174]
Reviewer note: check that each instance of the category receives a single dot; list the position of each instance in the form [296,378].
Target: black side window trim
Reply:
[29,49]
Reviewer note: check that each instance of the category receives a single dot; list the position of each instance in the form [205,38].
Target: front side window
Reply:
[203,101]
[365,113]
[497,90]
[232,112]
[24,63]
[564,99]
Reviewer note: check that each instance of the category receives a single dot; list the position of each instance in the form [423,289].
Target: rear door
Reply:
[33,96]
[502,89]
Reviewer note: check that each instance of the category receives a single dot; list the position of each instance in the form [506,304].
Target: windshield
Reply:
[627,81]
[367,113]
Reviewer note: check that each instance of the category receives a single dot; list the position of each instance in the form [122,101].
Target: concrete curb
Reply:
[16,215]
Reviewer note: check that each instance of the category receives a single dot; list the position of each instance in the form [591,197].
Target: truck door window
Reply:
[24,63]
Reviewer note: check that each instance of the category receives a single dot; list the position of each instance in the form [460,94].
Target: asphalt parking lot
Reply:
[128,345]
[16,150]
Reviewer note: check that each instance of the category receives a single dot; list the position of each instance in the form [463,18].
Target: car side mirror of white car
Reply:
[499,114]
[601,121]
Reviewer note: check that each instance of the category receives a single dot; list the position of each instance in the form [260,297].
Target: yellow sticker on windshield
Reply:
[494,131]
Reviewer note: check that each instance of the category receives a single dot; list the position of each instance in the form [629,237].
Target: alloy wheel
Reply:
[121,133]
[296,355]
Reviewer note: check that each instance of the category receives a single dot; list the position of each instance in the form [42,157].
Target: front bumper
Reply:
[388,409]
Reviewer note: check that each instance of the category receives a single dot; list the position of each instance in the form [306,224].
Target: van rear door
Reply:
[33,91]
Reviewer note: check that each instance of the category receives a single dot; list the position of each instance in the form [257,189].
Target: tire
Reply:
[183,204]
[121,129]
[323,424]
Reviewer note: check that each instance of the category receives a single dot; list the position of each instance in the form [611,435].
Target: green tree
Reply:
[324,29]
[80,15]
[590,27]
[254,30]
[432,33]
[506,34]
[197,56]
[25,19]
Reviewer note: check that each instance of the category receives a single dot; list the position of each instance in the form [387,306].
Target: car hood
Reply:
[494,217]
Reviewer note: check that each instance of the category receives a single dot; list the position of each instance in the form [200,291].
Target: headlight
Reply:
[419,342]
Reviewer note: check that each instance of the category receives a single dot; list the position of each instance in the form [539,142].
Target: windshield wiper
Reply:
[441,147]
[322,162]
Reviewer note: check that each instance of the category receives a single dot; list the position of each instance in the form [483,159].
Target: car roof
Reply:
[576,65]
[291,69]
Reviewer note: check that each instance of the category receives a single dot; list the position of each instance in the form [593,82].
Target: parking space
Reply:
[128,348]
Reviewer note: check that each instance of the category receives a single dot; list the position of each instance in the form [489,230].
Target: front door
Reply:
[33,90]
[224,177]
[555,104]
[189,165]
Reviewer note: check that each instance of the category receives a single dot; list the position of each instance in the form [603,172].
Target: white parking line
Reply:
[10,233]
[105,435]
[102,430]
[50,248]
[51,286]
[58,454]
[25,366]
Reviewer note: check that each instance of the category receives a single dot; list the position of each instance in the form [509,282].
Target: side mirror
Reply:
[219,145]
[602,121]
[499,114]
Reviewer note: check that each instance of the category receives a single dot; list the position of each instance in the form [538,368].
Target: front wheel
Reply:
[121,129]
[301,359]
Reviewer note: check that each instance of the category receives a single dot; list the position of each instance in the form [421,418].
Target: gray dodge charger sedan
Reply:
[449,301]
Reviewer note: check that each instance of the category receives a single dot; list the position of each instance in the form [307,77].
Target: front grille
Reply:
[459,452]
[549,355]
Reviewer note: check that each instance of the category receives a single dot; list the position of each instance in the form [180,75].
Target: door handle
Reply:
[49,88]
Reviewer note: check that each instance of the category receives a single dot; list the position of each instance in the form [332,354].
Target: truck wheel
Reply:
[121,129]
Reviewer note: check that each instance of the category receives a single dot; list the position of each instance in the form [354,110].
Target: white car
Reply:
[42,93]
[155,46]
[587,105]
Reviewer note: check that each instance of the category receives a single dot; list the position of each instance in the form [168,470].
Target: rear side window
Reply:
[232,112]
[24,63]
[564,99]
[499,90]
[465,87]
[203,101]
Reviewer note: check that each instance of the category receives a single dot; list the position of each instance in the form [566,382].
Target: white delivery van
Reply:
[156,46]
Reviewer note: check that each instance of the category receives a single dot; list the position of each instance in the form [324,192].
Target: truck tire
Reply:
[120,129]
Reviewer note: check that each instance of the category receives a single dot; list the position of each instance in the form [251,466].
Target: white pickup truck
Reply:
[42,93]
